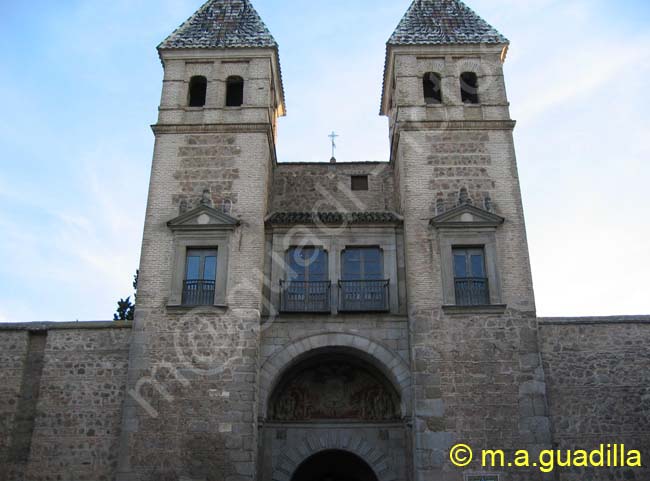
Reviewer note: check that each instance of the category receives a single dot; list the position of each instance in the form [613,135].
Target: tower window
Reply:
[469,88]
[198,89]
[432,85]
[234,92]
[470,277]
[200,277]
[359,182]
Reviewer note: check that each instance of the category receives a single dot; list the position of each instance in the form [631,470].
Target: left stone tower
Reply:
[191,408]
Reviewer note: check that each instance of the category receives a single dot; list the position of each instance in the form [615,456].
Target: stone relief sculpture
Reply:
[334,390]
[206,198]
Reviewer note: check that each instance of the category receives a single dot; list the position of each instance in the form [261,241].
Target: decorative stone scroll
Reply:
[334,390]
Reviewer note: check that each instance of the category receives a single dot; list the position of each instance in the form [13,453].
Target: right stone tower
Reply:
[477,370]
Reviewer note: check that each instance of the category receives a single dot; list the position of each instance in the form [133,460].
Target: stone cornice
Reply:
[212,128]
[456,125]
[334,218]
[577,321]
[60,326]
[471,310]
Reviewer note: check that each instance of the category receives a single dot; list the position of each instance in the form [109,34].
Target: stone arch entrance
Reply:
[334,398]
[331,385]
[334,465]
[391,365]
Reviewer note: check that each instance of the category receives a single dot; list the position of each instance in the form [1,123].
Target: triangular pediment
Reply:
[467,216]
[203,218]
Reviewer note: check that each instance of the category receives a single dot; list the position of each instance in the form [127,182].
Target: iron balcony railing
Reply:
[472,291]
[364,296]
[198,293]
[298,296]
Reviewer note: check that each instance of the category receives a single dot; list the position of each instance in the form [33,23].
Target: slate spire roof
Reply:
[440,22]
[222,24]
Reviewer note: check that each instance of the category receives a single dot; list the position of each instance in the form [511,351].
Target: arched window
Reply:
[432,86]
[469,88]
[234,92]
[198,89]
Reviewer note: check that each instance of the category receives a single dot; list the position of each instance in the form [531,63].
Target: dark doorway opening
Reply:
[334,466]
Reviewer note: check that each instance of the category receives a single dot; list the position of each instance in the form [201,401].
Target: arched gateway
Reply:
[334,405]
[334,465]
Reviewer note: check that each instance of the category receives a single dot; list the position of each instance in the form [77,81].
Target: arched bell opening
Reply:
[334,465]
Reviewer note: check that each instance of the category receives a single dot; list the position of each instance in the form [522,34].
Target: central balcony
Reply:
[298,296]
[364,296]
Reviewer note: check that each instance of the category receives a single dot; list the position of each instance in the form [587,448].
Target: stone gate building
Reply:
[326,321]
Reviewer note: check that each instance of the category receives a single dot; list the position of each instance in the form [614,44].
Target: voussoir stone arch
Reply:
[389,363]
[291,458]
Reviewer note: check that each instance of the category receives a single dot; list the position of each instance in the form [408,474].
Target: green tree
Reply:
[126,308]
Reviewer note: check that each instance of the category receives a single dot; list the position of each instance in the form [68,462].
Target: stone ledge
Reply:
[568,321]
[465,310]
[222,128]
[202,309]
[340,318]
[60,326]
[427,125]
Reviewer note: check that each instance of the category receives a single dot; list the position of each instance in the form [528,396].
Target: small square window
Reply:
[359,182]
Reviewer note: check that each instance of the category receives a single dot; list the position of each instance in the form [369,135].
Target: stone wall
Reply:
[599,388]
[195,371]
[13,355]
[326,188]
[68,383]
[477,374]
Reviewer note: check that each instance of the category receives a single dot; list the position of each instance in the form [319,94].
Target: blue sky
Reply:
[80,84]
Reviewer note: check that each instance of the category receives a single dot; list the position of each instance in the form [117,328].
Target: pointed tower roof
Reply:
[443,22]
[222,24]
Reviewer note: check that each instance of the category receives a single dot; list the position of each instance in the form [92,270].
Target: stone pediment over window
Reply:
[203,218]
[467,216]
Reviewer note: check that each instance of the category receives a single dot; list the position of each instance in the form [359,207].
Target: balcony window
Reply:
[363,287]
[470,278]
[307,287]
[200,277]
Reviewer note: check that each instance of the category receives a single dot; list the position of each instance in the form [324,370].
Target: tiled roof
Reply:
[337,218]
[222,24]
[439,22]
